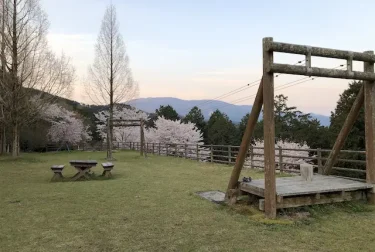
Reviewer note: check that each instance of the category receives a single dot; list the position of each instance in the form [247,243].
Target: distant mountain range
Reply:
[234,112]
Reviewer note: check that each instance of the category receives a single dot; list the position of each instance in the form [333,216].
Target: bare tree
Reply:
[33,75]
[110,77]
[2,82]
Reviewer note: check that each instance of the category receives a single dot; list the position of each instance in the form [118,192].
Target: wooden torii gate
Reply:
[126,123]
[265,97]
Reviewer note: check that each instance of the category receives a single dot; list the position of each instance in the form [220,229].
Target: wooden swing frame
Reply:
[265,97]
[126,123]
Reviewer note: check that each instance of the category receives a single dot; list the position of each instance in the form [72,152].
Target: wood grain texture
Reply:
[308,200]
[320,72]
[307,172]
[295,186]
[321,52]
[269,131]
[370,127]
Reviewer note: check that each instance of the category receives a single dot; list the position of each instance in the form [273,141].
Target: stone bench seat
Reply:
[108,166]
[107,169]
[57,172]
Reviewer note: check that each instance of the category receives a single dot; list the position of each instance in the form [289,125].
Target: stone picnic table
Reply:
[83,167]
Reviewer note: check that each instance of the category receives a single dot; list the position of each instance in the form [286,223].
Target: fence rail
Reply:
[226,154]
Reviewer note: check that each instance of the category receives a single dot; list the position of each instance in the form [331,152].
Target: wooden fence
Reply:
[350,163]
[286,162]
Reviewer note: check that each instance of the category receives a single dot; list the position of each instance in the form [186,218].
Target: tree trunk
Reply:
[110,132]
[2,129]
[15,142]
[108,151]
[16,85]
[111,93]
[2,141]
[18,143]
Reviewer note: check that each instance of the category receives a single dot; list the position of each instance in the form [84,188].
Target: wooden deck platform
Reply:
[294,192]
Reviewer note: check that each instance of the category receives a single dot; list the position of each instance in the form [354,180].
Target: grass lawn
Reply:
[150,205]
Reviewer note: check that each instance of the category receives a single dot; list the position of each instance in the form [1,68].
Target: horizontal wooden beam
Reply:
[348,170]
[316,199]
[320,72]
[251,189]
[125,125]
[126,120]
[319,51]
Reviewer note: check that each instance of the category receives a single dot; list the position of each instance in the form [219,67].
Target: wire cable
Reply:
[235,91]
[278,88]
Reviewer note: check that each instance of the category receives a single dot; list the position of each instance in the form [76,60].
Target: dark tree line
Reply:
[290,125]
[356,138]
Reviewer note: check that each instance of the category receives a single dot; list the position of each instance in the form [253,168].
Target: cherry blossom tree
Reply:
[121,134]
[66,126]
[178,137]
[170,134]
[168,131]
[300,155]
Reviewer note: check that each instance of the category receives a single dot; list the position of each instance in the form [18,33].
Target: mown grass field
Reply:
[150,205]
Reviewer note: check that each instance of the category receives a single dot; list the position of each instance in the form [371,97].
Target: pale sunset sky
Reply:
[200,49]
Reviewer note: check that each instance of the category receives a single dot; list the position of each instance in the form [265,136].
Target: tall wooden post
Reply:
[251,157]
[141,134]
[229,155]
[109,140]
[320,166]
[345,130]
[281,159]
[145,150]
[197,152]
[212,153]
[370,128]
[246,140]
[269,132]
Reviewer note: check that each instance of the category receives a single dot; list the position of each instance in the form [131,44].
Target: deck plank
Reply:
[292,186]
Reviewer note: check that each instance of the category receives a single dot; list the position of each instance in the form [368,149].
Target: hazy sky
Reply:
[200,49]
